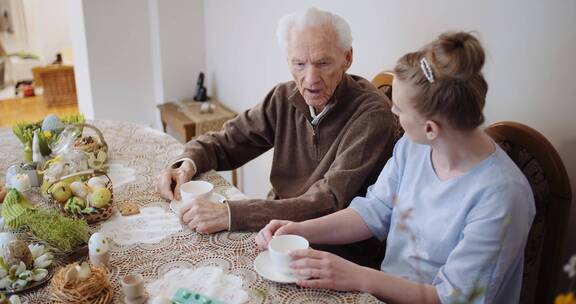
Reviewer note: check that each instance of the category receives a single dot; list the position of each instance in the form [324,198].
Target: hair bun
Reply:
[457,55]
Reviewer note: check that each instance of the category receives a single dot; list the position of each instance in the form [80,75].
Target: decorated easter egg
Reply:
[96,183]
[98,243]
[51,123]
[79,189]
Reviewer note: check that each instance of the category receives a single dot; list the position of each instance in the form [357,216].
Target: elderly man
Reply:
[329,130]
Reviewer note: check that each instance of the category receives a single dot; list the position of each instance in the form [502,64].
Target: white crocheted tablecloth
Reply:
[137,154]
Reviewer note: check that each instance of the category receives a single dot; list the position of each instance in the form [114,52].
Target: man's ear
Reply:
[432,130]
[349,56]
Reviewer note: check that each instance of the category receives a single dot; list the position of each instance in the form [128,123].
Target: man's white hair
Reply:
[313,17]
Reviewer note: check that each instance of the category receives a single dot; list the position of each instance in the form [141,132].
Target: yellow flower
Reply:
[47,134]
[565,299]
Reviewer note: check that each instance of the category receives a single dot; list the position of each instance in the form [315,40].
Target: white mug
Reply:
[280,247]
[195,189]
[133,287]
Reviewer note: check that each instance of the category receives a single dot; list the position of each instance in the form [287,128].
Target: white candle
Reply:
[21,182]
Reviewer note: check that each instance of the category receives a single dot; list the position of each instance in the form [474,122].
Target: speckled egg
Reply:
[98,243]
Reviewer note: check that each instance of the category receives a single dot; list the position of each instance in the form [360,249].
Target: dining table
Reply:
[156,245]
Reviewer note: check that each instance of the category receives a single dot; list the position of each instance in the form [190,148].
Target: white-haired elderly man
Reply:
[329,130]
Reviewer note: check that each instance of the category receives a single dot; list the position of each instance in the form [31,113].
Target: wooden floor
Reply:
[30,109]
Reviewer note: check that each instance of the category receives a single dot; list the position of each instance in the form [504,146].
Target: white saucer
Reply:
[263,266]
[215,198]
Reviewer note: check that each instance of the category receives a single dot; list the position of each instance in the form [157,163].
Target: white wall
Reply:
[81,62]
[48,25]
[131,55]
[530,65]
[18,39]
[181,32]
[42,27]
[118,53]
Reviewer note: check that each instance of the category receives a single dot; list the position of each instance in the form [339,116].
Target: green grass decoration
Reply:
[49,225]
[15,205]
[59,231]
[24,130]
[73,119]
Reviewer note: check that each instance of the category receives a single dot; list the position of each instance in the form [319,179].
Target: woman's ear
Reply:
[432,130]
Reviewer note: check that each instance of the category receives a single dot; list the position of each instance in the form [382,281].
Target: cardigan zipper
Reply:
[315,142]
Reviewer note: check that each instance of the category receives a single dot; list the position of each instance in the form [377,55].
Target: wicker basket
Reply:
[59,85]
[94,146]
[96,289]
[101,213]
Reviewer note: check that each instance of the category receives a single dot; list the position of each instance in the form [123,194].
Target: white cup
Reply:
[195,189]
[133,287]
[280,247]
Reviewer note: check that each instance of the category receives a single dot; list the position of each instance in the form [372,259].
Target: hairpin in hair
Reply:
[426,69]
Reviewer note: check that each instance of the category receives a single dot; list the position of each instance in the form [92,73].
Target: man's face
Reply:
[317,63]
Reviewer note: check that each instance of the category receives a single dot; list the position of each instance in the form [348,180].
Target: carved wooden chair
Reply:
[383,82]
[541,164]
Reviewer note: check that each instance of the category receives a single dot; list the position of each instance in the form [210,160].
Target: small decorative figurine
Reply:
[200,94]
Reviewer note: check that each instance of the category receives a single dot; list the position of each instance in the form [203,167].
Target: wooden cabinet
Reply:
[186,119]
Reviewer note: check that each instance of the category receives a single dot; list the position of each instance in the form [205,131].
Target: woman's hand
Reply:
[326,270]
[276,227]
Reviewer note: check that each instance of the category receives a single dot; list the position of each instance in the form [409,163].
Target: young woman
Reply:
[454,210]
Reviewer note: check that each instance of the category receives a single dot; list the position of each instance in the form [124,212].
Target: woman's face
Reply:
[412,122]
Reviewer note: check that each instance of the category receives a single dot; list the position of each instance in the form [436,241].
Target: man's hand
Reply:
[205,216]
[276,227]
[176,176]
[326,270]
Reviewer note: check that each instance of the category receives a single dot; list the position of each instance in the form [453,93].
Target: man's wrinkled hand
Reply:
[176,176]
[204,216]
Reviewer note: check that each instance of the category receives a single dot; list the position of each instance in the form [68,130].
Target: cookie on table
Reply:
[129,208]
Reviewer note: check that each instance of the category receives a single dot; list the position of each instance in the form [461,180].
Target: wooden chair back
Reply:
[540,162]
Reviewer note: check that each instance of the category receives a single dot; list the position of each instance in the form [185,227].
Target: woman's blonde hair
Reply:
[448,80]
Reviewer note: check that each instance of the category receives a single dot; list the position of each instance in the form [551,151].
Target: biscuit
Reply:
[129,208]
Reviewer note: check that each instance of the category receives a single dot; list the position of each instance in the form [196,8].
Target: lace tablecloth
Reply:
[146,151]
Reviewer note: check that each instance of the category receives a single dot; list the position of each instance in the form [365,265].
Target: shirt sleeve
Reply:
[491,247]
[376,207]
[248,135]
[360,153]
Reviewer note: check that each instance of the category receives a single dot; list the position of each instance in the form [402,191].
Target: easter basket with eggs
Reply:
[86,194]
[86,138]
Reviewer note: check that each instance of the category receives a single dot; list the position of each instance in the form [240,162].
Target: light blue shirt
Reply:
[463,234]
